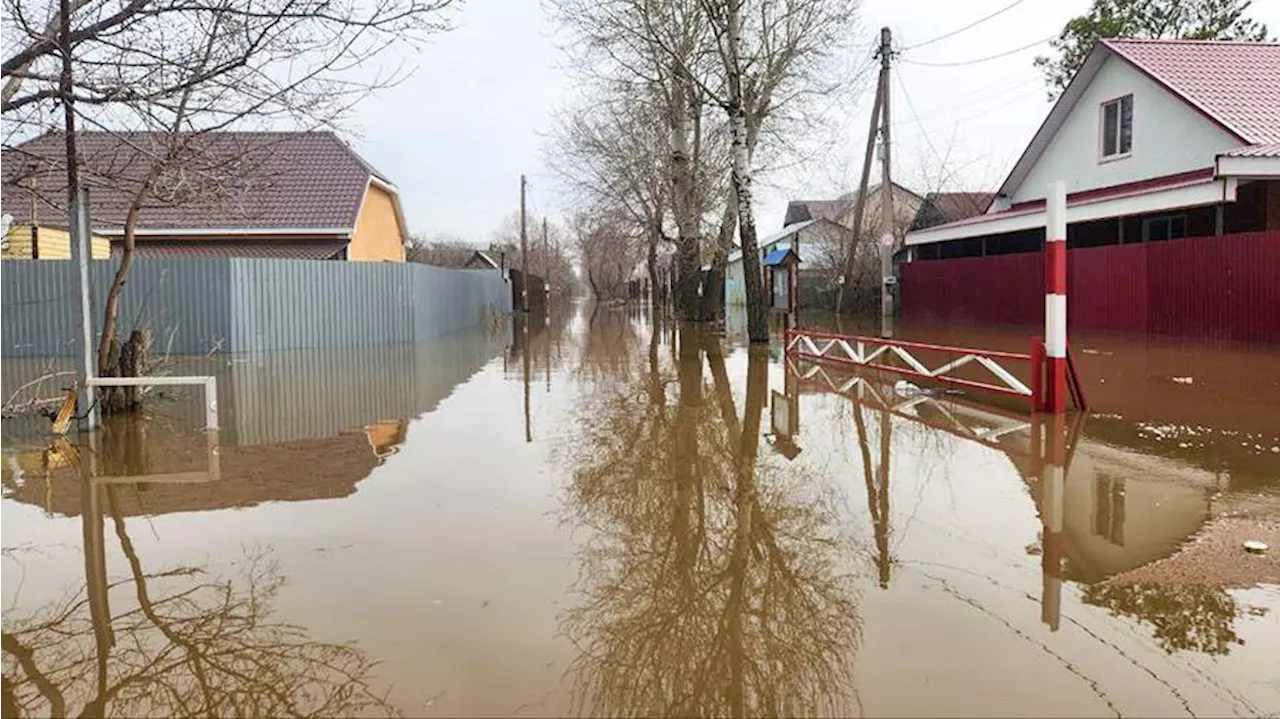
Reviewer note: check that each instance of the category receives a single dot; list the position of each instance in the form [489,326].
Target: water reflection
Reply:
[713,583]
[182,641]
[1101,514]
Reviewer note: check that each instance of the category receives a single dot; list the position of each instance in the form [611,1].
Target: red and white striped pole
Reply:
[1055,300]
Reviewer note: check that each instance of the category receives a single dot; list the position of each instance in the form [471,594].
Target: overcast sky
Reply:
[457,135]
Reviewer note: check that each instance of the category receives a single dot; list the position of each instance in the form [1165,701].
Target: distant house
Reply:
[812,241]
[482,261]
[303,195]
[840,210]
[939,208]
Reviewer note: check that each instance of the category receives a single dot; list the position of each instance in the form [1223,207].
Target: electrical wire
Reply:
[973,24]
[912,107]
[975,61]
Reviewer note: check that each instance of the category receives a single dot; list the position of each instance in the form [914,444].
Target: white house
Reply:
[1155,139]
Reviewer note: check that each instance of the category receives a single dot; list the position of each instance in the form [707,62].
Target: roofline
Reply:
[345,232]
[1067,100]
[1248,167]
[1084,207]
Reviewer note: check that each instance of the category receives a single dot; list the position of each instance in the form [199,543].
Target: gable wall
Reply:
[1168,137]
[378,235]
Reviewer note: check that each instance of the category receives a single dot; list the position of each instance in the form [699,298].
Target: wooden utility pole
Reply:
[524,254]
[860,201]
[546,260]
[887,240]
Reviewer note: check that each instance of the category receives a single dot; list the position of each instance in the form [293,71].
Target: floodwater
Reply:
[597,514]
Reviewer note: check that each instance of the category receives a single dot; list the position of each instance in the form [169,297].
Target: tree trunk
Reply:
[757,320]
[713,289]
[688,271]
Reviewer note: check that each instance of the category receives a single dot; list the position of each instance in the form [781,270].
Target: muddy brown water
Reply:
[600,514]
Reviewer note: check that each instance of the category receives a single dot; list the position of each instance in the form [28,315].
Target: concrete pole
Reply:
[524,254]
[1055,301]
[886,189]
[81,253]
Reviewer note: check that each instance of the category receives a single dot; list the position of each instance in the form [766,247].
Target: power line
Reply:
[975,23]
[979,98]
[983,59]
[897,75]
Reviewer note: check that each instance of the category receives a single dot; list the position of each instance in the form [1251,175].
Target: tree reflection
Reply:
[1184,617]
[181,642]
[712,583]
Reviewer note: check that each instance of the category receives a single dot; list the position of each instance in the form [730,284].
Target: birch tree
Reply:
[773,54]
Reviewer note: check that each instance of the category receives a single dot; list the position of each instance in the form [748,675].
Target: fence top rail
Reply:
[994,354]
[146,381]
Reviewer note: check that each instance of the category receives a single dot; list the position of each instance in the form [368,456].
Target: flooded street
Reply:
[596,514]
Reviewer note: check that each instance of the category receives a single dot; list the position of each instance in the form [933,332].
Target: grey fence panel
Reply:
[184,304]
[198,307]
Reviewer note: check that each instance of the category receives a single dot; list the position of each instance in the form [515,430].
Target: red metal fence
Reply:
[1224,288]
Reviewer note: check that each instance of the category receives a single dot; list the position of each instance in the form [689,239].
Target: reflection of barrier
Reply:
[980,424]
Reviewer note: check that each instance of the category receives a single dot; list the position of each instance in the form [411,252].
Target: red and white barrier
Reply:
[1054,397]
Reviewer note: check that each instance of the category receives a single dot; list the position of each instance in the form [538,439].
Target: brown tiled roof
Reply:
[804,210]
[1235,83]
[311,249]
[231,180]
[940,208]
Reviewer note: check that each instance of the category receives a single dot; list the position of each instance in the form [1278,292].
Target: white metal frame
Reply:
[859,353]
[210,384]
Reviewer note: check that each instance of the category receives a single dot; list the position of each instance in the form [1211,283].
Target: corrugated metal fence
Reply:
[202,306]
[1214,288]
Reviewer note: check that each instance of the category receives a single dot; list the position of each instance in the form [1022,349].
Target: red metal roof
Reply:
[1235,83]
[226,180]
[1272,150]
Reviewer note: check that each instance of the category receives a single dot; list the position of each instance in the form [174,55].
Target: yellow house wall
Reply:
[378,235]
[55,244]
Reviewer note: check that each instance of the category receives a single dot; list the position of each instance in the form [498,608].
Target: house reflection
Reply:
[1105,510]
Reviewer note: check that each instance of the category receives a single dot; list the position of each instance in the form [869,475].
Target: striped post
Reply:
[1053,477]
[1055,299]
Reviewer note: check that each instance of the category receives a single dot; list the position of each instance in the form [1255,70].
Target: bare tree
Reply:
[180,72]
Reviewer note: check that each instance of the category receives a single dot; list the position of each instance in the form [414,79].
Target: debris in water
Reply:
[1253,546]
[905,388]
[1184,380]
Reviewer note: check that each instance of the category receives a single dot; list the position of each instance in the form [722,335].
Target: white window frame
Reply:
[1102,128]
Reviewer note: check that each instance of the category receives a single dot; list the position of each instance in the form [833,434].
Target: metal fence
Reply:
[207,306]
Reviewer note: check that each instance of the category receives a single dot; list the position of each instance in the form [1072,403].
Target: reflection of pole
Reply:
[1052,493]
[524,351]
[95,564]
[882,499]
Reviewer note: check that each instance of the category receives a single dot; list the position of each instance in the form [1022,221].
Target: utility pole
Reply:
[860,201]
[524,254]
[887,240]
[546,261]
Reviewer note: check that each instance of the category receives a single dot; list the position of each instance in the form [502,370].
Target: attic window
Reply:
[1117,127]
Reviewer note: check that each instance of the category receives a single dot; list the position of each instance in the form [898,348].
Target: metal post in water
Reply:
[81,254]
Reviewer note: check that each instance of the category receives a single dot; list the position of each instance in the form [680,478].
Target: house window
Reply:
[1108,509]
[1117,127]
[1165,227]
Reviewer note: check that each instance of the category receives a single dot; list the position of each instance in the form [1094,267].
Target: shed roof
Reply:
[224,181]
[777,257]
